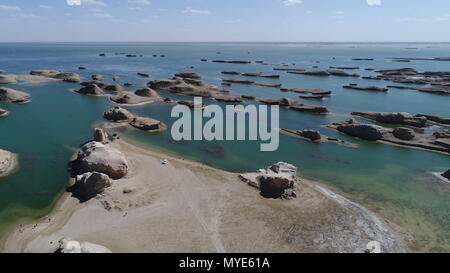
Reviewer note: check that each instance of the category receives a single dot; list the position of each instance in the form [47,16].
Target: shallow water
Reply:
[395,182]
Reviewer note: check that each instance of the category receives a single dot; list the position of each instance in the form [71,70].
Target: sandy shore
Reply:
[189,207]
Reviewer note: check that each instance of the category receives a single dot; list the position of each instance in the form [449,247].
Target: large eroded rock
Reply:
[89,185]
[147,124]
[14,96]
[276,181]
[8,162]
[118,114]
[102,158]
[363,131]
[91,89]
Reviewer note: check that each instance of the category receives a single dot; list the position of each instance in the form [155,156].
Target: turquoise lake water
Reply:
[394,182]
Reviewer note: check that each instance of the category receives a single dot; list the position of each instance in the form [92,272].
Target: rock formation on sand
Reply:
[102,158]
[89,185]
[148,124]
[394,118]
[98,83]
[316,137]
[131,98]
[3,113]
[315,92]
[91,89]
[365,88]
[189,75]
[404,133]
[116,88]
[363,131]
[65,76]
[447,175]
[146,92]
[435,118]
[184,86]
[294,105]
[118,114]
[97,77]
[100,136]
[14,96]
[75,247]
[228,99]
[440,81]
[323,73]
[232,62]
[7,79]
[438,142]
[8,162]
[145,75]
[276,181]
[313,135]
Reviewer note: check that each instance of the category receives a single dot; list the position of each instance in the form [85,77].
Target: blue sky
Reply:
[225,20]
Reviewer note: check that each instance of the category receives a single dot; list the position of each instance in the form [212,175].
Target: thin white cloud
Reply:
[374,2]
[190,10]
[45,7]
[291,2]
[99,13]
[85,2]
[4,7]
[142,2]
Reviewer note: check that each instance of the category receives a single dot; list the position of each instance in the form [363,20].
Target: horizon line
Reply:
[281,42]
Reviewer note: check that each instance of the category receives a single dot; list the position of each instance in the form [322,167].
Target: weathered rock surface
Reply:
[317,92]
[14,96]
[102,158]
[116,78]
[75,247]
[8,162]
[100,135]
[365,88]
[387,136]
[404,133]
[184,86]
[131,98]
[91,89]
[276,181]
[146,92]
[116,88]
[447,175]
[435,118]
[97,77]
[323,73]
[363,131]
[68,77]
[147,124]
[313,135]
[231,62]
[241,81]
[65,76]
[118,114]
[89,185]
[3,113]
[231,72]
[145,75]
[228,99]
[98,83]
[394,118]
[310,109]
[189,75]
[279,101]
[7,79]
[442,134]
